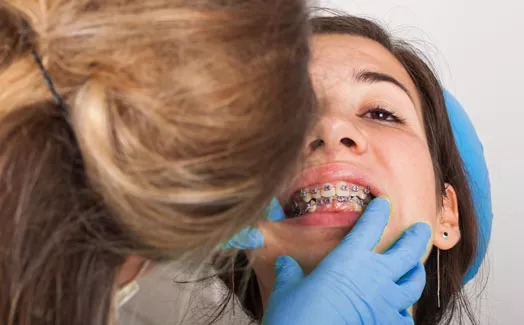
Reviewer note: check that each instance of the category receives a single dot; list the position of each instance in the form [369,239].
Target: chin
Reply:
[307,245]
[309,261]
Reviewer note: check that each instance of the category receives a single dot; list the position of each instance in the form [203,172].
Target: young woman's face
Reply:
[369,136]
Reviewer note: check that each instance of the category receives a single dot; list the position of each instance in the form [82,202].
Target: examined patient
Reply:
[382,130]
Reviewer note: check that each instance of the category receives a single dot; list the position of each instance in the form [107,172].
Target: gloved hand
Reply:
[249,237]
[353,285]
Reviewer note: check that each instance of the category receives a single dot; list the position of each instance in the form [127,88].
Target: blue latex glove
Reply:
[353,285]
[249,237]
[472,154]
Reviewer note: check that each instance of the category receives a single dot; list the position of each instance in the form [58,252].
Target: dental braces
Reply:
[301,208]
[354,188]
[340,199]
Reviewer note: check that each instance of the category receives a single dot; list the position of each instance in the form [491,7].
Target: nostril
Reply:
[316,144]
[347,142]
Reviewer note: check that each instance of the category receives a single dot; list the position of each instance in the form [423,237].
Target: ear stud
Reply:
[445,235]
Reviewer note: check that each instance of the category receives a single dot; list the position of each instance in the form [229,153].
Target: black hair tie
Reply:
[58,99]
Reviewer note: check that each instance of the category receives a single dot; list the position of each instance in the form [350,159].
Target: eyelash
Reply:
[390,117]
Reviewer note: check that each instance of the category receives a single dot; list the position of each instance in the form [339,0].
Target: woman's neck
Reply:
[265,292]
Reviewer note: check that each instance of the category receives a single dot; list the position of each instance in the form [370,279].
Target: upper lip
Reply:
[333,172]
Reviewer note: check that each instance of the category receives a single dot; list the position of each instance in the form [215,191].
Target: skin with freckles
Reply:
[370,124]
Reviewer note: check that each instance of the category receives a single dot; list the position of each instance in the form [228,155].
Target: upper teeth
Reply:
[340,194]
[348,192]
[342,189]
[315,193]
[307,197]
[360,194]
[328,190]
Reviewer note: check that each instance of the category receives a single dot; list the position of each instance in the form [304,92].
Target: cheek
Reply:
[410,183]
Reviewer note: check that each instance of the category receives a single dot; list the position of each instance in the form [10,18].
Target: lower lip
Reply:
[326,219]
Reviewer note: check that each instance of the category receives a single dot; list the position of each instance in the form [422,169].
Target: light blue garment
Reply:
[472,153]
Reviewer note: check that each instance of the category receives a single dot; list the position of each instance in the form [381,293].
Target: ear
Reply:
[132,268]
[448,221]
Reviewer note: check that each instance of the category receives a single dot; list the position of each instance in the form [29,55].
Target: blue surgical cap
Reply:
[472,154]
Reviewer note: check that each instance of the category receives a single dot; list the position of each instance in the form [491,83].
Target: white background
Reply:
[478,49]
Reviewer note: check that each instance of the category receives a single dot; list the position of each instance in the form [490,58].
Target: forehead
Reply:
[339,57]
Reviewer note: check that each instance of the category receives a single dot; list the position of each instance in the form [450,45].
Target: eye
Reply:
[382,114]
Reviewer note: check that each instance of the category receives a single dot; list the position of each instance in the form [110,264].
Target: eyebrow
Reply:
[373,77]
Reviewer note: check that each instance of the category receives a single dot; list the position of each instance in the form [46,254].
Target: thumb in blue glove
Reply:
[250,237]
[353,284]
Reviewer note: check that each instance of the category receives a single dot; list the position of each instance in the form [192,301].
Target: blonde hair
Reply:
[182,120]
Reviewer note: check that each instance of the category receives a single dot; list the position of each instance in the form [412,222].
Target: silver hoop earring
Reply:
[438,277]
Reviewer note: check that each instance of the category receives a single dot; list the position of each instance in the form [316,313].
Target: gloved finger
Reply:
[247,238]
[251,238]
[407,318]
[408,250]
[396,317]
[288,273]
[371,225]
[274,211]
[411,286]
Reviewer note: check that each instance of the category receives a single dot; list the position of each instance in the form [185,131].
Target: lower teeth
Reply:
[302,208]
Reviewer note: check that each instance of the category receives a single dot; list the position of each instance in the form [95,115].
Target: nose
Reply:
[335,136]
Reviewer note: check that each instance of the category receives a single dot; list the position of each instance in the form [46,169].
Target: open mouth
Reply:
[328,197]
